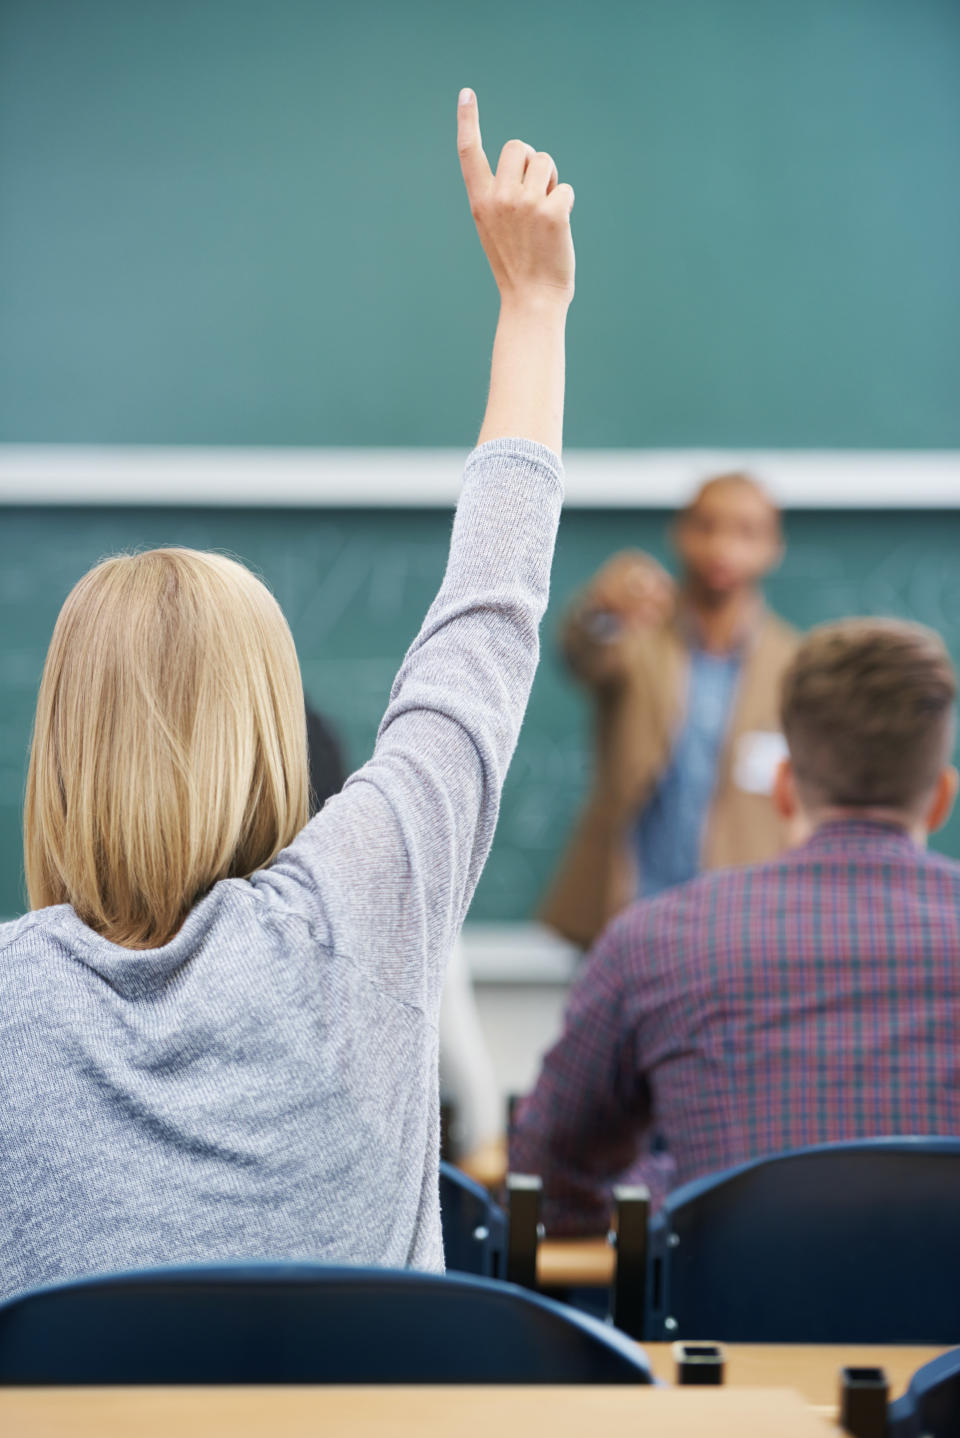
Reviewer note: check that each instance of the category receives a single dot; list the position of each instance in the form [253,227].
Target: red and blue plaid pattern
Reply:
[807,1000]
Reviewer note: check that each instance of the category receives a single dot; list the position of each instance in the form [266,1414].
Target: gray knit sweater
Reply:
[265,1085]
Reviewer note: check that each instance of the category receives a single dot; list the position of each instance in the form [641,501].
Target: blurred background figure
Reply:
[468,1082]
[685,680]
[325,756]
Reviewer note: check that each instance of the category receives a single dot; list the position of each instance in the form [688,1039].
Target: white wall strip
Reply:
[519,954]
[604,478]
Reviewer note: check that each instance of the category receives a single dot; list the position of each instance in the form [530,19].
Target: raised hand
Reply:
[634,587]
[522,213]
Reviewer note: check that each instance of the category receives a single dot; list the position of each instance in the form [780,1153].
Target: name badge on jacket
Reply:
[756,759]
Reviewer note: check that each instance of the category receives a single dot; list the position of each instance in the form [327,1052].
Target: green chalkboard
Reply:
[355,585]
[239,222]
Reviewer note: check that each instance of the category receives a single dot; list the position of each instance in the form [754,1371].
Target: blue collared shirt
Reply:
[669,831]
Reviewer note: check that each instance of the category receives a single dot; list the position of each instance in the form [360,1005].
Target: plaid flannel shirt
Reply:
[811,999]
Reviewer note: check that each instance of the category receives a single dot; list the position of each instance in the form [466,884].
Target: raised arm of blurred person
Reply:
[631,594]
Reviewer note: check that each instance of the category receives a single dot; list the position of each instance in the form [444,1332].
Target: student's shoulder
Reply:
[25,944]
[31,928]
[662,926]
[945,868]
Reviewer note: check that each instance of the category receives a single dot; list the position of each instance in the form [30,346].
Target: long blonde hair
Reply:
[169,748]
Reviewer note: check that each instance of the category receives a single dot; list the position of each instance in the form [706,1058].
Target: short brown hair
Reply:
[867,711]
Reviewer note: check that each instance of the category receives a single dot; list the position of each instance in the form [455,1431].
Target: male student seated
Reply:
[812,998]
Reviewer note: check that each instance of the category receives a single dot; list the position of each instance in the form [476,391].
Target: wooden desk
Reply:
[811,1368]
[487,1165]
[575,1263]
[403,1412]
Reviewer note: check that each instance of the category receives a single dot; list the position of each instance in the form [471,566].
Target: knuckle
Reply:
[513,149]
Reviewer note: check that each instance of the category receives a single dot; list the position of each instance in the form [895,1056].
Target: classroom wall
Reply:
[355,585]
[231,222]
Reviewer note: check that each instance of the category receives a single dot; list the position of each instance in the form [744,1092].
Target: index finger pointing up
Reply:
[473,162]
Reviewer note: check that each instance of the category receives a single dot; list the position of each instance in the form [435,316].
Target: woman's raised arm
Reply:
[386,871]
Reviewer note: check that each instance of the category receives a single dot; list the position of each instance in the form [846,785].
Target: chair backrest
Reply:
[852,1242]
[474,1227]
[930,1408]
[303,1323]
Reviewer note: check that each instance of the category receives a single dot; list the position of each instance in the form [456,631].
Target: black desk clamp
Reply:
[863,1402]
[628,1294]
[524,1229]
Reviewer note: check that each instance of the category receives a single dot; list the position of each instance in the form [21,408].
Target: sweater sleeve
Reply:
[388,868]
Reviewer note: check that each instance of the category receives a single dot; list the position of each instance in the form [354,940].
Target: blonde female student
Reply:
[218,1023]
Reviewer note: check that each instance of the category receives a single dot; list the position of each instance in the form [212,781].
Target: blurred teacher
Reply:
[685,679]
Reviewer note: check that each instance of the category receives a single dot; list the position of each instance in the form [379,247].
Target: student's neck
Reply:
[720,620]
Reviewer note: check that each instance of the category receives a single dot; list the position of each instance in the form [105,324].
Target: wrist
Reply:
[535,302]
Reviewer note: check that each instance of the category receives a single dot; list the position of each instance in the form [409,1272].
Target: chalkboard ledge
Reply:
[430,478]
[518,954]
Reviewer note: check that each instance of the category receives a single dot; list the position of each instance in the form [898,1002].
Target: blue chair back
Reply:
[930,1408]
[474,1227]
[840,1243]
[303,1323]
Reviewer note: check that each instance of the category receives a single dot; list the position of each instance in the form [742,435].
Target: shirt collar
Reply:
[746,636]
[858,836]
